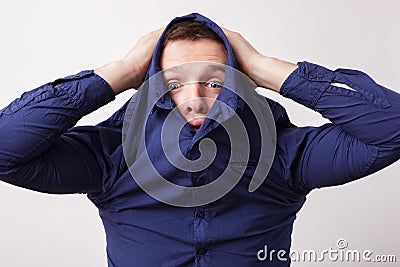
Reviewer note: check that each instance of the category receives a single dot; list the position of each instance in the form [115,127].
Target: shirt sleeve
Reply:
[38,149]
[362,138]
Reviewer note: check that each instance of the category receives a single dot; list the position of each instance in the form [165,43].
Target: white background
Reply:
[42,40]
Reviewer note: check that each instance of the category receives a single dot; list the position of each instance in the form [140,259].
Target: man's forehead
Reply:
[185,51]
[199,67]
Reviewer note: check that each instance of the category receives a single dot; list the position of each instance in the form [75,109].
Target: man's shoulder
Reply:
[279,112]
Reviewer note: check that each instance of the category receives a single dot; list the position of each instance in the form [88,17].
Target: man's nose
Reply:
[196,102]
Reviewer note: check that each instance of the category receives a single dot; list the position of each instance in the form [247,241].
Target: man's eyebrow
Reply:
[173,70]
[216,68]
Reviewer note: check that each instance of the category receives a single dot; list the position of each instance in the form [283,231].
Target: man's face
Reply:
[194,87]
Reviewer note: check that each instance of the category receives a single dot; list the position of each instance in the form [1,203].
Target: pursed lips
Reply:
[196,122]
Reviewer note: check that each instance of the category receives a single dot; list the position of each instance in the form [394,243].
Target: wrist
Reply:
[120,76]
[271,72]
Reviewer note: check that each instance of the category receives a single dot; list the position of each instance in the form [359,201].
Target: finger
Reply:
[157,33]
[226,31]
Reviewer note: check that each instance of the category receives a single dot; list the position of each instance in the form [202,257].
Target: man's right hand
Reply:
[266,72]
[130,71]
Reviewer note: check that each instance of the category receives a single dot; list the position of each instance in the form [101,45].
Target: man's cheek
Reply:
[175,98]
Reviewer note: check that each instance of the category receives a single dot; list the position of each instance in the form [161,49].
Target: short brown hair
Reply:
[189,30]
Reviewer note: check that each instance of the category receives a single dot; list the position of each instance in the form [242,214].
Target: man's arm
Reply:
[38,148]
[364,135]
[35,150]
[266,72]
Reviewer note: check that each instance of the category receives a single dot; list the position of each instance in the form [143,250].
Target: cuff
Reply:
[87,89]
[306,84]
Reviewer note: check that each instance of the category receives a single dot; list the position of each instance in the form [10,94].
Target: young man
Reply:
[41,150]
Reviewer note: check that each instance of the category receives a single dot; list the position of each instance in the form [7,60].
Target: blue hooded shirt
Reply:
[41,150]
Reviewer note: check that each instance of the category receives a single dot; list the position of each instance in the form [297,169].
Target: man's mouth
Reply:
[196,123]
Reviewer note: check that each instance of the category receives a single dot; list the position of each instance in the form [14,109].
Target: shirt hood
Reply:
[154,66]
[157,140]
[157,92]
[153,90]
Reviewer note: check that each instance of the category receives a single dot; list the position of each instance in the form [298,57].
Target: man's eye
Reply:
[214,84]
[173,86]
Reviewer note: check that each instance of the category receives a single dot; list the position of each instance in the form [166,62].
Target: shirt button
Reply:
[199,182]
[200,214]
[312,75]
[201,251]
